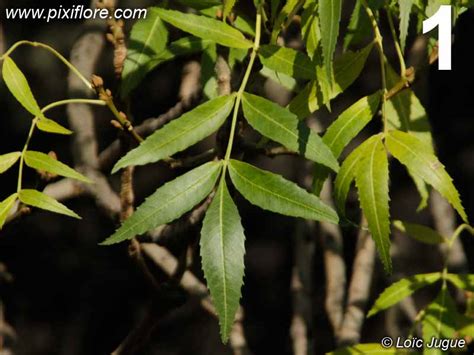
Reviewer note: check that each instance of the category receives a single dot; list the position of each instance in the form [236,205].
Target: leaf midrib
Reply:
[224,269]
[23,94]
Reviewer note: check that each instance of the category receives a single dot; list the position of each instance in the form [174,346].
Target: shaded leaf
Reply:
[402,289]
[405,11]
[181,133]
[374,348]
[330,17]
[287,12]
[421,233]
[371,177]
[5,208]
[208,72]
[205,27]
[39,200]
[346,174]
[417,157]
[287,61]
[19,87]
[222,252]
[282,126]
[359,28]
[43,162]
[147,39]
[274,193]
[46,125]
[462,281]
[8,160]
[169,202]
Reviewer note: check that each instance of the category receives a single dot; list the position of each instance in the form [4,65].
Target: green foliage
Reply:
[8,160]
[49,126]
[169,202]
[287,61]
[207,28]
[405,10]
[5,208]
[228,6]
[421,233]
[374,348]
[181,133]
[43,162]
[38,199]
[402,289]
[330,16]
[222,253]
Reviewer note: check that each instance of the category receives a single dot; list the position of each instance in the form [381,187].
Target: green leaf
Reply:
[46,125]
[440,320]
[41,161]
[181,133]
[287,12]
[374,348]
[282,126]
[330,16]
[287,61]
[345,128]
[417,157]
[147,39]
[462,281]
[310,30]
[40,200]
[222,252]
[274,193]
[359,28]
[19,87]
[405,10]
[421,233]
[346,174]
[402,289]
[347,69]
[200,4]
[205,27]
[208,72]
[5,208]
[228,6]
[180,47]
[371,177]
[8,160]
[282,79]
[169,202]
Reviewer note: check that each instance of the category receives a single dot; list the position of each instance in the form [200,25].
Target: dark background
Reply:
[70,296]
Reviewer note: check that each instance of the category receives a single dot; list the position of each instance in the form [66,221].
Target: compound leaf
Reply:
[282,126]
[42,201]
[222,252]
[274,193]
[205,27]
[180,133]
[169,202]
[402,289]
[418,158]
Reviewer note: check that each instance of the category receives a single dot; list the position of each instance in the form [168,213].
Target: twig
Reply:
[359,289]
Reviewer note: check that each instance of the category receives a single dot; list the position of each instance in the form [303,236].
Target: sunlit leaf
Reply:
[169,202]
[287,61]
[374,348]
[8,160]
[402,289]
[228,6]
[181,133]
[405,11]
[274,193]
[462,281]
[46,125]
[5,208]
[330,17]
[39,200]
[222,252]
[43,162]
[290,8]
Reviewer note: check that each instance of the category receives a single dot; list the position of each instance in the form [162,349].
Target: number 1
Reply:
[443,20]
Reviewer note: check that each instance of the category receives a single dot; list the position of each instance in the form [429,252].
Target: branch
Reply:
[359,289]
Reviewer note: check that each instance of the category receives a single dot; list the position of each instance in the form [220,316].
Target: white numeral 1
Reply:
[443,20]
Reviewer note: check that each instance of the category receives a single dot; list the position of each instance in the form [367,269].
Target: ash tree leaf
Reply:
[208,72]
[462,281]
[359,27]
[5,208]
[440,320]
[405,11]
[222,251]
[49,126]
[370,348]
[344,129]
[371,177]
[287,61]
[417,157]
[169,202]
[402,289]
[330,16]
[282,126]
[287,12]
[19,87]
[346,174]
[43,162]
[147,39]
[206,28]
[274,193]
[200,4]
[421,233]
[181,133]
[228,6]
[42,201]
[8,160]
